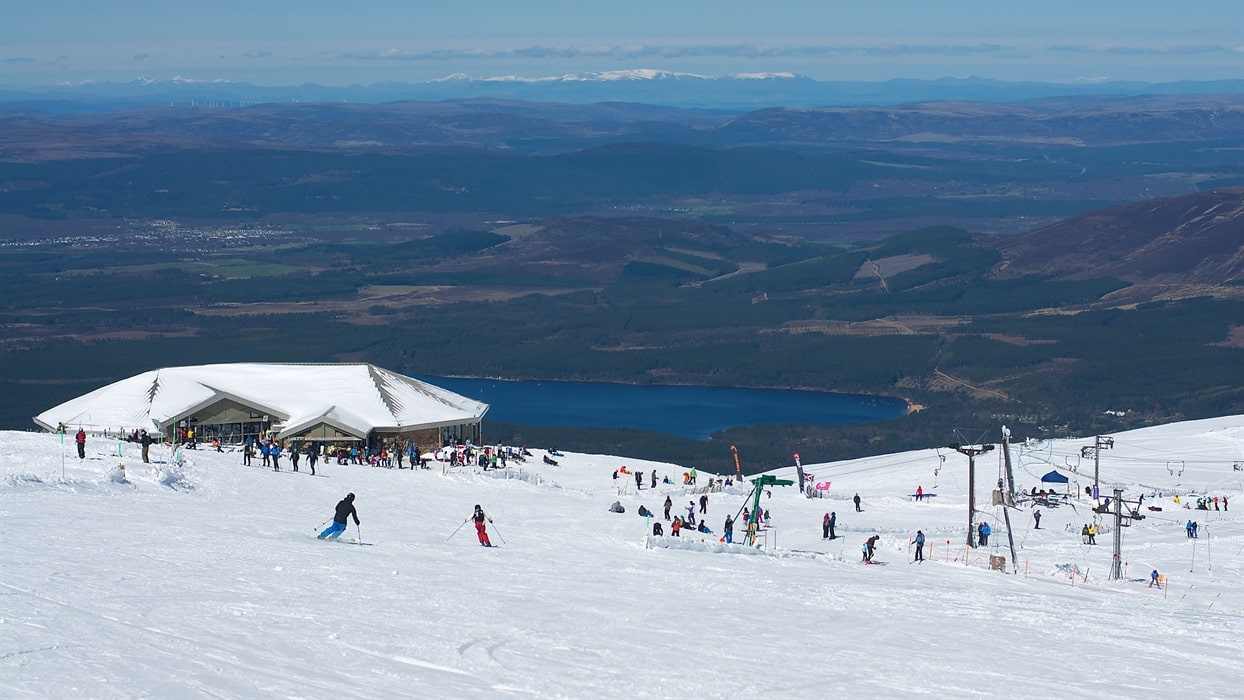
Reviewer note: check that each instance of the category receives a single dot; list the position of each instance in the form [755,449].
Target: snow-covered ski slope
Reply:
[206,581]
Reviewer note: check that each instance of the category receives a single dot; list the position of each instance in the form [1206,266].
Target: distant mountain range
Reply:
[743,92]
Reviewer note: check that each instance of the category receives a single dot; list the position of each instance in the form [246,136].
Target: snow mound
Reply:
[171,475]
[24,480]
[521,475]
[116,475]
[700,545]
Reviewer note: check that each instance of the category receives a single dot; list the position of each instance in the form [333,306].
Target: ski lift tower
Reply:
[1099,444]
[971,451]
[1121,520]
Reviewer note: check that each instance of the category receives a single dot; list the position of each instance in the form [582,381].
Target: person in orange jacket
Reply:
[676,526]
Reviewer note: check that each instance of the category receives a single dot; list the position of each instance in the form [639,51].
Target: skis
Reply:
[344,540]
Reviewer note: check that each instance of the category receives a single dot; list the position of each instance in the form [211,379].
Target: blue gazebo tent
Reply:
[1054,478]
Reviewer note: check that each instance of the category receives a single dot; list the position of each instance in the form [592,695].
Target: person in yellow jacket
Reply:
[1092,533]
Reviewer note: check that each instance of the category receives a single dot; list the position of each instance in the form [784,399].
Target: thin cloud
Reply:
[257,53]
[1132,50]
[640,51]
[19,59]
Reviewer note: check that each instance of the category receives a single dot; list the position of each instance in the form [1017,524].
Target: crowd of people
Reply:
[1209,503]
[385,454]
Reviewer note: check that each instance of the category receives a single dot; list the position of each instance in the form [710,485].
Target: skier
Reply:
[313,455]
[1036,515]
[248,451]
[919,493]
[676,526]
[293,456]
[479,516]
[983,530]
[729,530]
[870,548]
[668,504]
[1154,580]
[639,480]
[704,504]
[276,457]
[825,527]
[1084,535]
[81,440]
[857,503]
[654,478]
[1093,533]
[919,545]
[691,513]
[145,439]
[345,508]
[833,520]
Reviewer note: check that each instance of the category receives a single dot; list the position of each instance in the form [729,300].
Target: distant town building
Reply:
[331,403]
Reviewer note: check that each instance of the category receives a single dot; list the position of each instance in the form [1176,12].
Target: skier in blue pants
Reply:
[344,510]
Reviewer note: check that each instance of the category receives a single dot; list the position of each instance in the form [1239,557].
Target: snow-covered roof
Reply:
[358,397]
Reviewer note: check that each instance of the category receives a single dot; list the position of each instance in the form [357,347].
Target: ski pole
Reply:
[494,529]
[451,536]
[317,527]
[359,530]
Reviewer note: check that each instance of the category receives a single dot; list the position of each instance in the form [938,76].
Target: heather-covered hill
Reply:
[1175,247]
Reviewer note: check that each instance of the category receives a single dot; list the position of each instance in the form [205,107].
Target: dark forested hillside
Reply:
[912,255]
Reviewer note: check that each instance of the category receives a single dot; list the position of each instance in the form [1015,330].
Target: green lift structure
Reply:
[758,487]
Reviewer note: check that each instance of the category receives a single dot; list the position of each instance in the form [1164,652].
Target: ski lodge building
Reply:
[328,403]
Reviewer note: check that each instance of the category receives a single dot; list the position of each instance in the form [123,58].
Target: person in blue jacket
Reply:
[919,545]
[983,530]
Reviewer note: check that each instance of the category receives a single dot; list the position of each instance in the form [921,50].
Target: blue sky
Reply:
[281,42]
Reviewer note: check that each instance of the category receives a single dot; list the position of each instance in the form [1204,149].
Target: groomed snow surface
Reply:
[205,580]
